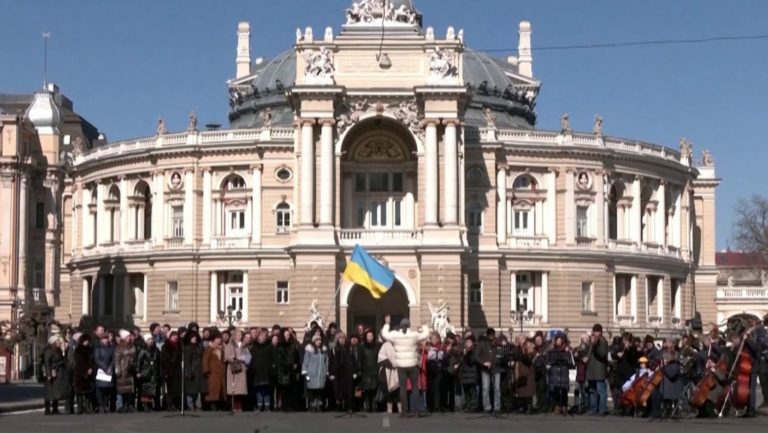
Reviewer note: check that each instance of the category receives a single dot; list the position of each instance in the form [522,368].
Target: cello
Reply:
[742,369]
[708,382]
[654,380]
[630,397]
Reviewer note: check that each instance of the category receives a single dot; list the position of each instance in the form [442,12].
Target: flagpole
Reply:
[333,302]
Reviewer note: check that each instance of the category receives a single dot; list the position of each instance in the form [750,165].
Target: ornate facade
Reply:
[410,144]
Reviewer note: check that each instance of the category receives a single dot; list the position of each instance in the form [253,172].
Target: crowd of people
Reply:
[413,372]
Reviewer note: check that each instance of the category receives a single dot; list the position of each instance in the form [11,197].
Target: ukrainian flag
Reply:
[366,271]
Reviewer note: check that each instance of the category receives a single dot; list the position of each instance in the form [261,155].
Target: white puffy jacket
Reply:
[406,345]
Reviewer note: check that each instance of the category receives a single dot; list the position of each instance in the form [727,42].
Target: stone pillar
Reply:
[85,211]
[501,204]
[102,219]
[189,207]
[158,208]
[23,230]
[551,218]
[207,203]
[214,296]
[636,216]
[256,205]
[245,298]
[86,298]
[601,210]
[633,298]
[451,167]
[513,295]
[125,216]
[307,172]
[661,213]
[660,297]
[431,155]
[545,297]
[326,173]
[677,220]
[570,208]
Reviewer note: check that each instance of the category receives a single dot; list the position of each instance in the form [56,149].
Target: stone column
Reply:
[245,297]
[214,296]
[660,297]
[431,155]
[545,297]
[661,213]
[102,292]
[189,207]
[207,203]
[102,216]
[501,204]
[551,226]
[85,216]
[326,173]
[601,222]
[86,301]
[158,208]
[513,295]
[307,172]
[125,216]
[451,167]
[636,217]
[256,205]
[570,208]
[633,298]
[677,219]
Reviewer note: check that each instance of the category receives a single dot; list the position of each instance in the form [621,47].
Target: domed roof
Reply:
[487,78]
[43,113]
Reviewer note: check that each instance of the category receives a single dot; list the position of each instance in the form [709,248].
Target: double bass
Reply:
[708,382]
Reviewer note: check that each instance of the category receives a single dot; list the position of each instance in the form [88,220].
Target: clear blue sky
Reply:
[124,63]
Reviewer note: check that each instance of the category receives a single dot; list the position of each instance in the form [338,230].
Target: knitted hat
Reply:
[405,323]
[124,334]
[147,337]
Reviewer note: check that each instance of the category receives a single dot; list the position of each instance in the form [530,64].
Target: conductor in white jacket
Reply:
[406,344]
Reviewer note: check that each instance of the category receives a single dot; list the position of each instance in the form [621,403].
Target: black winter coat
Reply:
[170,367]
[148,370]
[262,363]
[369,366]
[194,381]
[558,373]
[83,363]
[288,362]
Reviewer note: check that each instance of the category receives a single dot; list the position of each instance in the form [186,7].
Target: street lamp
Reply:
[230,317]
[520,316]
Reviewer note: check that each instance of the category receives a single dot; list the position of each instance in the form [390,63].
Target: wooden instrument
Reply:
[630,397]
[707,383]
[654,381]
[740,375]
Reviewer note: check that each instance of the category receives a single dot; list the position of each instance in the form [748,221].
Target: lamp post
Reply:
[520,316]
[230,317]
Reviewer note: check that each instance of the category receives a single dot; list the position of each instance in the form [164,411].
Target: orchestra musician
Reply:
[747,341]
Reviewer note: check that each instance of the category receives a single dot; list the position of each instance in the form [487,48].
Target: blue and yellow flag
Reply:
[366,271]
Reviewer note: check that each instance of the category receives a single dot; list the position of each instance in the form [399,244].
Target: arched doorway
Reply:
[364,309]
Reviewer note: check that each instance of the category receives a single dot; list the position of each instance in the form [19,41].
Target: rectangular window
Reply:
[521,224]
[172,296]
[476,293]
[397,182]
[38,275]
[524,286]
[359,182]
[378,182]
[582,221]
[40,215]
[237,220]
[397,213]
[281,292]
[283,214]
[178,221]
[586,296]
[235,297]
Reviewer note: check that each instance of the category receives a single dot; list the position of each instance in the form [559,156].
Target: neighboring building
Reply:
[411,144]
[742,285]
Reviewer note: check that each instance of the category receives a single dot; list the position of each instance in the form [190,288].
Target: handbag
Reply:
[236,367]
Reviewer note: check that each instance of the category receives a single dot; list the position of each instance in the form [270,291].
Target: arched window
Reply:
[524,182]
[93,215]
[112,205]
[283,217]
[233,183]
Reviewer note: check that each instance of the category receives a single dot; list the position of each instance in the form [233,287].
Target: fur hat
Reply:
[124,334]
[147,337]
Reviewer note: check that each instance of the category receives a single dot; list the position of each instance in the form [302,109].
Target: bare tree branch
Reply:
[750,230]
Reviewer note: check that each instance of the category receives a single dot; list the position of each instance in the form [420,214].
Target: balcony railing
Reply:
[622,245]
[230,242]
[138,245]
[529,242]
[174,242]
[372,235]
[625,320]
[743,293]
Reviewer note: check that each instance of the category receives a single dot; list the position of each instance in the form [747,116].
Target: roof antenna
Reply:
[46,36]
